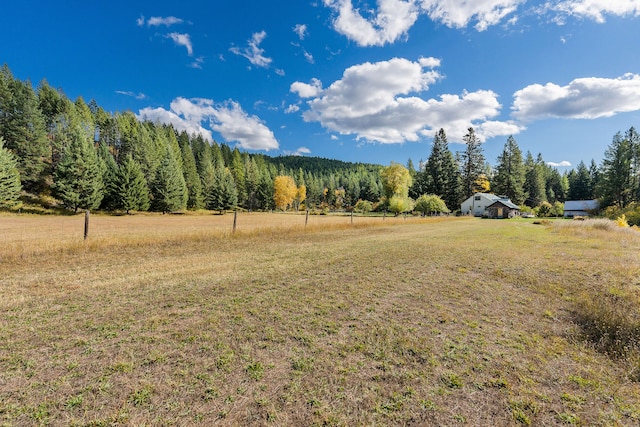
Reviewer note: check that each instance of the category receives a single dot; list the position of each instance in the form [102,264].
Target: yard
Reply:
[174,320]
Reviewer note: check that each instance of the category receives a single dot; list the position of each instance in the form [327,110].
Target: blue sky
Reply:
[347,79]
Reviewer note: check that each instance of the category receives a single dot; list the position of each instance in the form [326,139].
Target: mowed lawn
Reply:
[174,320]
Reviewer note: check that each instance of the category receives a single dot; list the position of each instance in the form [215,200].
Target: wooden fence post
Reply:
[86,224]
[384,215]
[306,220]
[235,219]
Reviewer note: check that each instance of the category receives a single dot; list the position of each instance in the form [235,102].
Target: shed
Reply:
[574,208]
[502,209]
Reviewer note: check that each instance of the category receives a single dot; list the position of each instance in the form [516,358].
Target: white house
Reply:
[477,204]
[580,207]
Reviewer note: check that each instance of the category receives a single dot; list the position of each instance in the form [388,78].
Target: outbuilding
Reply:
[502,209]
[573,208]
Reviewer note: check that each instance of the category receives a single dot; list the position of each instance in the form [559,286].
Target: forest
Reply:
[69,154]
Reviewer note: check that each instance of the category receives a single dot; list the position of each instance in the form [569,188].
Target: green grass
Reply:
[416,322]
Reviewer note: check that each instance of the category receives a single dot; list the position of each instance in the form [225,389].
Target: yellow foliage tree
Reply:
[284,191]
[481,185]
[396,180]
[301,195]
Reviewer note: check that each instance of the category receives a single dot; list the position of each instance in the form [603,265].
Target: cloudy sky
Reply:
[367,81]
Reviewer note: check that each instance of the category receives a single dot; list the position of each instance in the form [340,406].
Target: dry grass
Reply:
[416,322]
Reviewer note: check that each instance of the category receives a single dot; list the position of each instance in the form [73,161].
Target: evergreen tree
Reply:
[22,126]
[442,175]
[85,118]
[472,162]
[616,183]
[534,182]
[634,141]
[169,191]
[108,170]
[510,175]
[237,169]
[55,108]
[370,189]
[252,181]
[594,176]
[192,179]
[579,183]
[9,177]
[129,187]
[77,179]
[223,195]
[264,195]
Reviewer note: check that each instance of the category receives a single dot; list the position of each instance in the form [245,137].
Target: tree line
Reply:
[79,156]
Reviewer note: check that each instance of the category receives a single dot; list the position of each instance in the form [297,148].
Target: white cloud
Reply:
[197,63]
[562,164]
[228,119]
[308,57]
[585,98]
[596,9]
[392,19]
[253,52]
[234,124]
[138,95]
[156,21]
[459,13]
[168,21]
[293,108]
[299,152]
[390,22]
[305,90]
[182,40]
[301,30]
[379,102]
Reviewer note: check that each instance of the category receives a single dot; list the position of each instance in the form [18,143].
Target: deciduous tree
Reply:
[430,203]
[284,191]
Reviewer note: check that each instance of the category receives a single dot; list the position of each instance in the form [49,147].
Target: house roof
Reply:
[505,202]
[581,205]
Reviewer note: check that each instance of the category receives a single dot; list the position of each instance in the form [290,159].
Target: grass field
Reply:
[174,320]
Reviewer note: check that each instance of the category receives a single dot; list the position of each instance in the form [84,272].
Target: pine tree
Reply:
[129,187]
[472,162]
[616,183]
[169,191]
[108,169]
[594,176]
[9,177]
[264,196]
[77,179]
[510,173]
[191,177]
[237,170]
[443,177]
[23,128]
[534,182]
[223,194]
[579,183]
[252,181]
